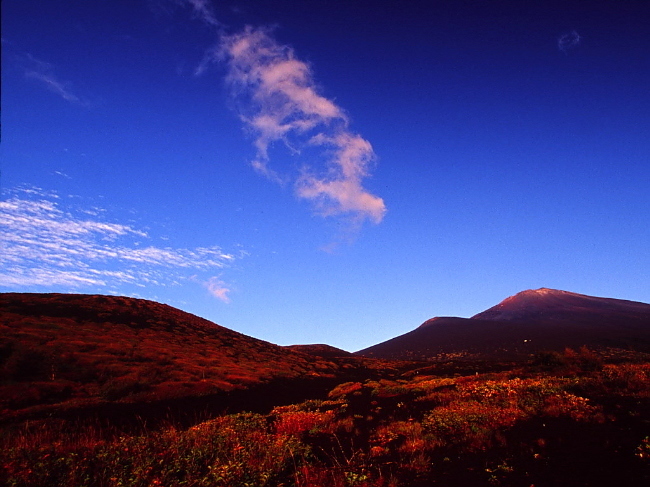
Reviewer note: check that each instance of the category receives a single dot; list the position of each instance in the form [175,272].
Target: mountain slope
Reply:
[59,350]
[546,305]
[530,321]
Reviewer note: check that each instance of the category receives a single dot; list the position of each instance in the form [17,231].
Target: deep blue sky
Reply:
[360,167]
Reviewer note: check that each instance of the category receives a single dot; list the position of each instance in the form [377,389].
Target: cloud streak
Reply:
[43,73]
[203,10]
[278,100]
[44,246]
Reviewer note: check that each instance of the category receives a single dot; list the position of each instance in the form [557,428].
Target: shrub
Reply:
[26,364]
[300,422]
[471,424]
[121,387]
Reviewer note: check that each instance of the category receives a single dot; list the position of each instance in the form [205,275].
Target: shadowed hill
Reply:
[528,322]
[60,351]
[320,350]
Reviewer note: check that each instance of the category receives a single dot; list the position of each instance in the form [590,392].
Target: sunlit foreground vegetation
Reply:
[563,419]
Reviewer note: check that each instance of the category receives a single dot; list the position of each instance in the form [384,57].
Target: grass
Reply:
[568,426]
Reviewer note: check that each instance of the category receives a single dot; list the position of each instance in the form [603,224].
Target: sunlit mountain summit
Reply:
[528,322]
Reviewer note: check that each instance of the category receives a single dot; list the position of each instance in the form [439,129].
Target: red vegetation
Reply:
[62,352]
[320,350]
[576,417]
[520,427]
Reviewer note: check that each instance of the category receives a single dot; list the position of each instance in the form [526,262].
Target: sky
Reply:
[325,171]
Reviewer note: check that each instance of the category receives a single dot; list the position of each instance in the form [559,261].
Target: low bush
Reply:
[497,429]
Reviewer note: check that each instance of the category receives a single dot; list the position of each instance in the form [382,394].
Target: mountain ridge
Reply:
[545,301]
[527,322]
[67,351]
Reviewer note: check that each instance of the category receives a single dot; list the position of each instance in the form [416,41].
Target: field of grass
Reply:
[567,419]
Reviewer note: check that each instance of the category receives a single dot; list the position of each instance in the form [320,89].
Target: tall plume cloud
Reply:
[278,101]
[343,192]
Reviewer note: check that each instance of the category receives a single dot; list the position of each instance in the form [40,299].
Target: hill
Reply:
[63,352]
[528,322]
[320,350]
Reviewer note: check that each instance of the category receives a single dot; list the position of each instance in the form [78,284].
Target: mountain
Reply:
[67,351]
[528,322]
[550,305]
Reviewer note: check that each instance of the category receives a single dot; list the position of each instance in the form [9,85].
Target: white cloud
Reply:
[203,10]
[278,100]
[343,193]
[43,72]
[218,289]
[568,41]
[55,86]
[44,245]
[277,94]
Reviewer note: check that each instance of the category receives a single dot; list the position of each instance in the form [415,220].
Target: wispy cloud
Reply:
[203,10]
[44,245]
[343,193]
[55,86]
[278,100]
[218,289]
[44,73]
[568,41]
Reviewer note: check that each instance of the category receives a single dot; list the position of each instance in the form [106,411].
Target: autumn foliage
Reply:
[107,392]
[517,427]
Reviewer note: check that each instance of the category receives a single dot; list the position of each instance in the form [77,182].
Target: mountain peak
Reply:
[530,321]
[543,293]
[543,290]
[544,303]
[438,320]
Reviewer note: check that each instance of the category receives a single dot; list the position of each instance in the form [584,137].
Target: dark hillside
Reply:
[320,350]
[529,322]
[67,352]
